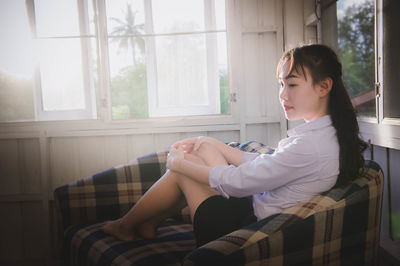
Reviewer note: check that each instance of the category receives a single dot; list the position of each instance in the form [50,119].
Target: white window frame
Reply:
[89,111]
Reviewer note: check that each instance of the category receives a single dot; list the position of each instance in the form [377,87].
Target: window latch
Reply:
[377,91]
[232,97]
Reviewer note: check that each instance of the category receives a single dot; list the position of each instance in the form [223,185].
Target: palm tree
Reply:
[128,28]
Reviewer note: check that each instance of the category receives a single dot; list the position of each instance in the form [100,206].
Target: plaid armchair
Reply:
[341,226]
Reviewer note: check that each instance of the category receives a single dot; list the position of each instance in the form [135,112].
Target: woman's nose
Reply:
[283,93]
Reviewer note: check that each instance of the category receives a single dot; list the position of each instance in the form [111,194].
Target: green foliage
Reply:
[224,94]
[129,93]
[356,47]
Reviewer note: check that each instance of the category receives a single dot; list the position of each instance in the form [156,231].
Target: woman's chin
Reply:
[292,117]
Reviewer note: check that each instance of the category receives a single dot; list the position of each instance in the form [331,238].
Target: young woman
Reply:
[227,189]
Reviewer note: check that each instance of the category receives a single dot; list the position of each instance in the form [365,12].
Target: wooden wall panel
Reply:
[30,172]
[269,90]
[90,155]
[192,134]
[249,13]
[256,13]
[252,81]
[294,23]
[225,136]
[163,141]
[115,150]
[390,226]
[12,236]
[268,15]
[260,82]
[22,232]
[9,167]
[35,244]
[394,168]
[64,161]
[267,134]
[140,145]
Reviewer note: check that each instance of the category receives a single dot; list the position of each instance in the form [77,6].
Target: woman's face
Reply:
[299,97]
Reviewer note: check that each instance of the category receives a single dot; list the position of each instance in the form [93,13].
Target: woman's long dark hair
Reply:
[322,62]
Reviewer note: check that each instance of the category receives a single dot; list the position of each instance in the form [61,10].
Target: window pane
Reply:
[16,62]
[61,74]
[181,70]
[220,14]
[56,18]
[125,17]
[356,50]
[128,80]
[178,15]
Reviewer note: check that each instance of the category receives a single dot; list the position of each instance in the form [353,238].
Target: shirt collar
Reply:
[318,123]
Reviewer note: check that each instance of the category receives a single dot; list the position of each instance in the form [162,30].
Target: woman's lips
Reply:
[287,107]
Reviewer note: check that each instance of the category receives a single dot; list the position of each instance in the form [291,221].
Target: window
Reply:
[134,58]
[167,58]
[356,39]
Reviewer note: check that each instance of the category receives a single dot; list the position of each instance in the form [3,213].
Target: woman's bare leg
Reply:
[166,198]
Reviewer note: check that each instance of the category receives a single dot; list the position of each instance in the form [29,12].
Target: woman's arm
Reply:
[182,163]
[231,155]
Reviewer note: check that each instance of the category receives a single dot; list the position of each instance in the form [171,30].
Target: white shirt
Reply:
[303,165]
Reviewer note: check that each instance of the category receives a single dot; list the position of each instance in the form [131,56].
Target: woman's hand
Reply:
[175,158]
[191,144]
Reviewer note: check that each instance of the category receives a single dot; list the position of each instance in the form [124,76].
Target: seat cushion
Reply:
[88,245]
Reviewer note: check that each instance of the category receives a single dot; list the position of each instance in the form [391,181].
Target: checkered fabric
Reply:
[339,227]
[109,194]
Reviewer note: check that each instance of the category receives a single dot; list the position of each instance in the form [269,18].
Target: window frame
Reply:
[381,130]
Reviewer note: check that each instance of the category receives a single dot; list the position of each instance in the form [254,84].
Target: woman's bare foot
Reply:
[118,230]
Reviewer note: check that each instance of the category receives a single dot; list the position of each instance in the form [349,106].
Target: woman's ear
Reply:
[325,87]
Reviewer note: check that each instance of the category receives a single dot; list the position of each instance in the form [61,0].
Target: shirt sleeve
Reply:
[248,156]
[266,171]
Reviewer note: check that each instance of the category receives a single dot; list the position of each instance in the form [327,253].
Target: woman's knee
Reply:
[210,155]
[193,157]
